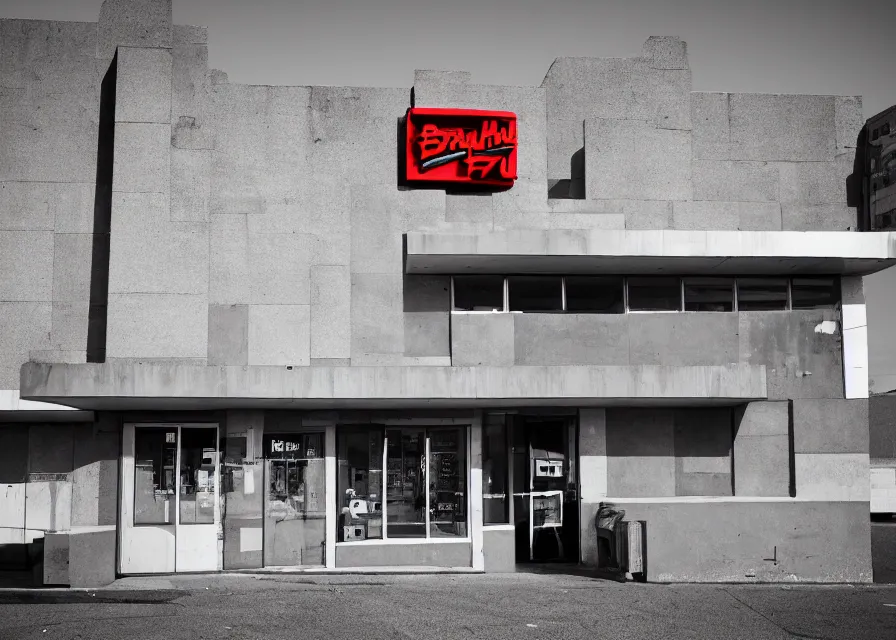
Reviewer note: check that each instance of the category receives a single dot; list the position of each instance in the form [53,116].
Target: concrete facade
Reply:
[176,248]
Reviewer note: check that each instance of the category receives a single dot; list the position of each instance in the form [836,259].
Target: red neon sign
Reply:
[461,146]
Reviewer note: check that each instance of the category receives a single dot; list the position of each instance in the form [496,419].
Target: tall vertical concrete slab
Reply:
[762,450]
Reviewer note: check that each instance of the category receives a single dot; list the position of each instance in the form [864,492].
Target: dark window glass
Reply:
[447,483]
[155,452]
[875,134]
[761,294]
[479,293]
[198,464]
[495,501]
[405,483]
[535,293]
[359,483]
[709,294]
[654,294]
[885,130]
[815,293]
[594,294]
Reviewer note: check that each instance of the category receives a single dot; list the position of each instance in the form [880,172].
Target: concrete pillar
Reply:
[476,491]
[855,338]
[592,477]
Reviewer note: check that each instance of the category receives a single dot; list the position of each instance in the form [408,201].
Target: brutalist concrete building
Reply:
[432,326]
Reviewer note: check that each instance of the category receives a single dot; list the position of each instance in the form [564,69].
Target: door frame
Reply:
[328,441]
[126,481]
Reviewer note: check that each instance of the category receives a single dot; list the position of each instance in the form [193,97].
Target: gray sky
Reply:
[843,47]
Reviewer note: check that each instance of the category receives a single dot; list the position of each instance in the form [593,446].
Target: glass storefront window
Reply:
[405,488]
[294,507]
[359,483]
[155,455]
[198,462]
[423,493]
[447,481]
[495,503]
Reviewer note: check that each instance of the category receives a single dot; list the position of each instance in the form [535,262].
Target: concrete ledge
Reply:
[137,385]
[633,251]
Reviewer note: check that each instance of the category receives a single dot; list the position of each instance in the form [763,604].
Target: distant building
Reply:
[251,326]
[880,184]
[882,450]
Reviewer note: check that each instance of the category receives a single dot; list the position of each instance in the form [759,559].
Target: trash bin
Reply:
[607,524]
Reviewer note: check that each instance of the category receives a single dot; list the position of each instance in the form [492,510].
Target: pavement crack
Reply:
[792,634]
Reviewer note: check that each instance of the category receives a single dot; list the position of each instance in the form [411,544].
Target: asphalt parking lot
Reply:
[511,606]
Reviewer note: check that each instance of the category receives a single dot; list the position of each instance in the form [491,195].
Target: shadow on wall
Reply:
[53,478]
[855,183]
[102,219]
[574,188]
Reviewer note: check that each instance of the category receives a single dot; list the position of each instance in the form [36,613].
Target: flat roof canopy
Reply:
[579,251]
[123,386]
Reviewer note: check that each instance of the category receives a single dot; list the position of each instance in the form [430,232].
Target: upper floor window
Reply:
[595,294]
[478,293]
[761,294]
[875,134]
[654,293]
[885,129]
[709,294]
[535,293]
[636,294]
[814,293]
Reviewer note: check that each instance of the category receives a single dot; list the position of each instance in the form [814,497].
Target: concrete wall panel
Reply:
[376,316]
[629,159]
[703,452]
[482,339]
[371,554]
[133,23]
[331,287]
[190,185]
[735,181]
[547,339]
[229,281]
[832,476]
[51,92]
[640,453]
[762,465]
[26,262]
[750,541]
[143,85]
[157,326]
[142,158]
[711,138]
[279,335]
[782,127]
[882,434]
[279,268]
[730,216]
[848,121]
[802,362]
[228,334]
[830,426]
[678,339]
[27,206]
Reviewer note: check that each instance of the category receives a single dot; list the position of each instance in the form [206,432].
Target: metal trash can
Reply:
[607,525]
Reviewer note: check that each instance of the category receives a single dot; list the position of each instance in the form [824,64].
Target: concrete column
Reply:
[592,477]
[855,338]
[476,491]
[330,495]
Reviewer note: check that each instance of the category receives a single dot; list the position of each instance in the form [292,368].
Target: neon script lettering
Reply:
[457,145]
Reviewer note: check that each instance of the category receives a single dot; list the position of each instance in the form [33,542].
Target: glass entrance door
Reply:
[294,500]
[170,514]
[545,483]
